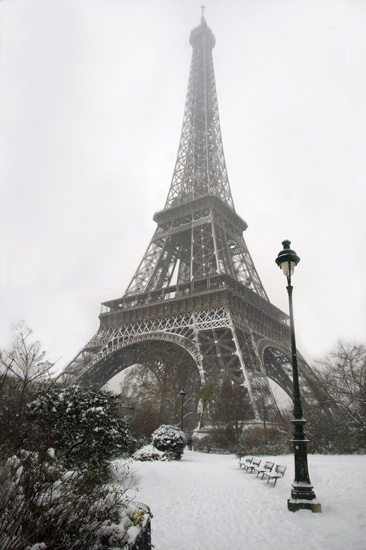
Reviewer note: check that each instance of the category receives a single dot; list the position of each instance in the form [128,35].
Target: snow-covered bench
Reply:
[263,469]
[278,472]
[244,462]
[255,463]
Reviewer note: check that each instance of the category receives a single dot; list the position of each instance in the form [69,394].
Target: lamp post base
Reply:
[294,505]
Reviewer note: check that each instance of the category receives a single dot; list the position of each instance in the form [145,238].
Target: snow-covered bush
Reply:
[42,505]
[117,535]
[65,497]
[169,439]
[81,424]
[149,452]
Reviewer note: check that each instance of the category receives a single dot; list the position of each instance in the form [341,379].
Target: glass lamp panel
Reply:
[288,268]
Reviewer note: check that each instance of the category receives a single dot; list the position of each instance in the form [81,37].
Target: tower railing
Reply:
[215,283]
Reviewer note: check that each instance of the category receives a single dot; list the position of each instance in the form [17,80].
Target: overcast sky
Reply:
[92,99]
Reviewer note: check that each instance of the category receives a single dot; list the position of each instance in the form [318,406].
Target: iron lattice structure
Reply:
[196,288]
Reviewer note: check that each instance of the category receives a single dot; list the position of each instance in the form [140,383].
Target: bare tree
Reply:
[225,406]
[343,374]
[23,368]
[153,390]
[25,359]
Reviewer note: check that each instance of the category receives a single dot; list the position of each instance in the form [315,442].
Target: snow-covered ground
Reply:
[206,502]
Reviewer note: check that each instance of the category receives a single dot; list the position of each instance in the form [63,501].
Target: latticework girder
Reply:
[196,289]
[200,167]
[204,240]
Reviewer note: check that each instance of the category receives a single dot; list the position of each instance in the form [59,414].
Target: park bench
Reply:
[267,467]
[243,462]
[278,472]
[255,463]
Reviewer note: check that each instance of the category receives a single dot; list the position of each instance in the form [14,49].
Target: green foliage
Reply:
[169,439]
[207,393]
[81,424]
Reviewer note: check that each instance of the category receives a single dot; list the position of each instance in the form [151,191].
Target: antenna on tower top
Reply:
[203,13]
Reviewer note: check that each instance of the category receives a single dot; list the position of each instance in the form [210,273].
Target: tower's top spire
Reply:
[203,14]
[200,167]
[203,31]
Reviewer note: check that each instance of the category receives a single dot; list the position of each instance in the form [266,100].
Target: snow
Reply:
[206,502]
[149,452]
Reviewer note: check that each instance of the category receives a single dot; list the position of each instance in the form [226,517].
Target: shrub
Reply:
[68,498]
[149,452]
[81,424]
[169,439]
[44,505]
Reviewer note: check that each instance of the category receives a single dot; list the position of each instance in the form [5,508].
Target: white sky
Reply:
[92,99]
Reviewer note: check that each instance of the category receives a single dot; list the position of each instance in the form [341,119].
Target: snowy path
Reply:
[205,502]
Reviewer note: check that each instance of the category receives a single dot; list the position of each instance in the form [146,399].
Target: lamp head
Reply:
[287,259]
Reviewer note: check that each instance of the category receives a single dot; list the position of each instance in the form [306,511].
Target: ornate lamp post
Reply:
[302,494]
[182,394]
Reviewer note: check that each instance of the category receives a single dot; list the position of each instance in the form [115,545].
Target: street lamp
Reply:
[302,494]
[182,394]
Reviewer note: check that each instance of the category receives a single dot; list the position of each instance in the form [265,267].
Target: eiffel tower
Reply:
[196,294]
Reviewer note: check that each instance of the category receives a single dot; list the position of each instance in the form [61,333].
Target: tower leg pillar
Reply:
[244,369]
